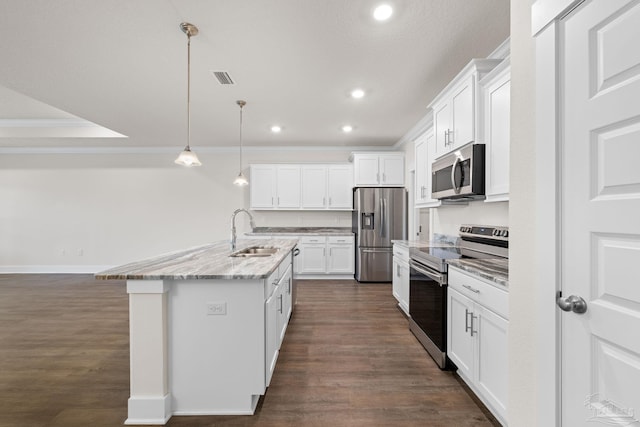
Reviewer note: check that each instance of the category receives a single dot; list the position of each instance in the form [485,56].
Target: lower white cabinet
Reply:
[400,281]
[326,255]
[278,307]
[477,337]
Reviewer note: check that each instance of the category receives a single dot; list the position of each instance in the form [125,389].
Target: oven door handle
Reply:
[430,274]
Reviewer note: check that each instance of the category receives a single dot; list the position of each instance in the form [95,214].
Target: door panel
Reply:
[374,265]
[600,240]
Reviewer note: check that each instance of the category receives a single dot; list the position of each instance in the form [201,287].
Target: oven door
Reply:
[428,310]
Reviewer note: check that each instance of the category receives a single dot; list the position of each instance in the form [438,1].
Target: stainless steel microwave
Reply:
[460,174]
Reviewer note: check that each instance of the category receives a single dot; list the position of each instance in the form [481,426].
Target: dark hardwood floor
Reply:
[348,359]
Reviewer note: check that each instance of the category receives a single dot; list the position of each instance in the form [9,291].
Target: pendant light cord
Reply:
[241,106]
[189,91]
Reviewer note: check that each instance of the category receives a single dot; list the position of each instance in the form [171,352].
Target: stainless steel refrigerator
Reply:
[379,216]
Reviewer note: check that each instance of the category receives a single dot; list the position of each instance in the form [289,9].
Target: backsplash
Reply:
[446,219]
[302,218]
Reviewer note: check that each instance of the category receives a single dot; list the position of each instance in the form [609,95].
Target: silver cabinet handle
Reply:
[471,332]
[324,202]
[329,201]
[330,251]
[571,303]
[280,303]
[289,285]
[471,289]
[466,320]
[378,177]
[384,177]
[446,137]
[272,201]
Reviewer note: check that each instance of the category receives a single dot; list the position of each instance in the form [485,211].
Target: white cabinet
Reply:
[400,281]
[288,186]
[296,186]
[274,186]
[341,255]
[378,169]
[477,328]
[263,186]
[455,108]
[313,253]
[496,94]
[327,187]
[425,153]
[278,307]
[340,187]
[326,255]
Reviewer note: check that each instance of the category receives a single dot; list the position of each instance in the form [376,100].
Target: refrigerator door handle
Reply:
[382,217]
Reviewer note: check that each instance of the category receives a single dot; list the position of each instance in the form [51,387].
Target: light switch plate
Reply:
[216,308]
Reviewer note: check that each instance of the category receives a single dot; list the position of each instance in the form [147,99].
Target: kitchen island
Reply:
[205,327]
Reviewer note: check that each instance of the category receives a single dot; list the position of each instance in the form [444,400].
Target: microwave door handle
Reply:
[456,189]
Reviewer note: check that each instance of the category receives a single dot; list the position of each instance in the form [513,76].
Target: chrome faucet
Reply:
[233,225]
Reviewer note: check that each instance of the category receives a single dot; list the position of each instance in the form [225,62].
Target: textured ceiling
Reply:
[121,64]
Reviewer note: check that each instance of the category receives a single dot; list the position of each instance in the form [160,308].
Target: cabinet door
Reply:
[263,186]
[312,258]
[284,305]
[341,259]
[463,114]
[497,101]
[271,334]
[340,187]
[404,287]
[421,169]
[442,127]
[492,359]
[396,280]
[366,169]
[288,185]
[314,187]
[392,170]
[460,343]
[431,155]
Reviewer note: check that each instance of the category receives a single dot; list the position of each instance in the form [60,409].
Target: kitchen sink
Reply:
[255,251]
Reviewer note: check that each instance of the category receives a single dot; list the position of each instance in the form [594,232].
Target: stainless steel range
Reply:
[428,282]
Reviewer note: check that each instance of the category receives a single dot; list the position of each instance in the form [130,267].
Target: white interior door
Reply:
[600,212]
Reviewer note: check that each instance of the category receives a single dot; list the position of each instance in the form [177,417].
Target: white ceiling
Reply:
[121,64]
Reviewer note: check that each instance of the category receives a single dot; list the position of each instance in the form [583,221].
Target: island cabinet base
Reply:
[199,347]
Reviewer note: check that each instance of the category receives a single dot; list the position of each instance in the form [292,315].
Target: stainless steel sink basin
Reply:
[255,251]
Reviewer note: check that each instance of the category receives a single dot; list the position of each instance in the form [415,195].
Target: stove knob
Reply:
[495,233]
[505,233]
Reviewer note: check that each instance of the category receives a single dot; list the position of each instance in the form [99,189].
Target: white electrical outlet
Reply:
[216,308]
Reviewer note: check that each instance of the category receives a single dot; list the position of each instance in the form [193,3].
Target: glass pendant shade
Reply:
[188,158]
[241,180]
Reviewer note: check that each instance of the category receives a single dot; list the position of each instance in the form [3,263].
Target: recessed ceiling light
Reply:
[357,93]
[276,129]
[382,12]
[347,128]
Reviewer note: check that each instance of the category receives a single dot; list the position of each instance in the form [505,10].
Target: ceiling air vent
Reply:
[223,78]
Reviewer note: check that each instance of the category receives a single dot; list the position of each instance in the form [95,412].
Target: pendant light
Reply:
[241,180]
[188,157]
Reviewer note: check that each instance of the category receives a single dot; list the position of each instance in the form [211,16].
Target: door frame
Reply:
[545,21]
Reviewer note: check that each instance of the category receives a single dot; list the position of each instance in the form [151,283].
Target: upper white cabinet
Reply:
[378,169]
[296,186]
[496,96]
[425,153]
[455,108]
[327,187]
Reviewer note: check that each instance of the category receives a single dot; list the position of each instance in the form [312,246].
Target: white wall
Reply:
[61,211]
[523,373]
[447,219]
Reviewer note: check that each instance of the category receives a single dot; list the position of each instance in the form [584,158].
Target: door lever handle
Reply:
[571,303]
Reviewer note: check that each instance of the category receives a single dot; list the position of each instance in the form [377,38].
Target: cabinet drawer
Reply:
[401,252]
[486,294]
[312,239]
[340,239]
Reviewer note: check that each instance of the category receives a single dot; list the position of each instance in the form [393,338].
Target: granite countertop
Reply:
[492,269]
[210,261]
[421,244]
[296,231]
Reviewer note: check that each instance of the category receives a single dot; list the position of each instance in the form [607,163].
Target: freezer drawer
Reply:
[374,264]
